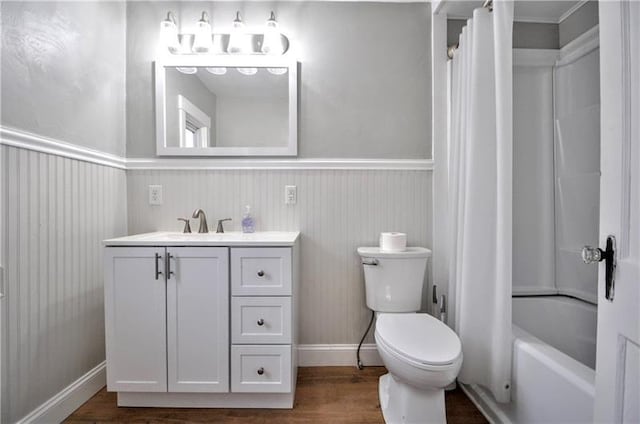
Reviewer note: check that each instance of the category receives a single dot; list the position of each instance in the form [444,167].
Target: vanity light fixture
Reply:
[277,71]
[189,70]
[238,40]
[217,70]
[202,42]
[272,41]
[248,71]
[169,33]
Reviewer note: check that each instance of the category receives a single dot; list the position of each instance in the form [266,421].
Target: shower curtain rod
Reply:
[487,4]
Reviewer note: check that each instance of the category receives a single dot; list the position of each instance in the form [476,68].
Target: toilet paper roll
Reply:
[393,242]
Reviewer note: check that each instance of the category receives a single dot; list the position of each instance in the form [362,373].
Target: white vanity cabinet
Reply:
[202,320]
[167,319]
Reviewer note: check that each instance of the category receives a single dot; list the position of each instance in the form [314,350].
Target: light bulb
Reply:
[277,71]
[272,41]
[169,33]
[202,42]
[217,70]
[248,71]
[238,40]
[189,70]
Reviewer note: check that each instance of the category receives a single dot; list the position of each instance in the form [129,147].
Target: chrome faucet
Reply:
[199,213]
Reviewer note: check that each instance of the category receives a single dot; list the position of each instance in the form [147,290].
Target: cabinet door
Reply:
[135,319]
[198,319]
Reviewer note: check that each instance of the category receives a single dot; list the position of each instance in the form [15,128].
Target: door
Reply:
[135,319]
[198,319]
[618,347]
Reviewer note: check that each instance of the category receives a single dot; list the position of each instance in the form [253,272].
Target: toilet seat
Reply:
[419,339]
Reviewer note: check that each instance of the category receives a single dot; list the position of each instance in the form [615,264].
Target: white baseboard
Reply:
[61,405]
[323,355]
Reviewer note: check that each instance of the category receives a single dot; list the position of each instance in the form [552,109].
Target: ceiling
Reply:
[524,10]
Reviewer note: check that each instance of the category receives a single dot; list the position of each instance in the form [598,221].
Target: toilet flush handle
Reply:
[370,261]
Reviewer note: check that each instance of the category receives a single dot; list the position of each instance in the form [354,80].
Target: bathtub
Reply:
[553,341]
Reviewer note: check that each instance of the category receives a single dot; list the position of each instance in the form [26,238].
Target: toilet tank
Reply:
[394,280]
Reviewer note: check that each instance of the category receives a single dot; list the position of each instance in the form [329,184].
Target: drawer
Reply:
[261,320]
[261,271]
[261,369]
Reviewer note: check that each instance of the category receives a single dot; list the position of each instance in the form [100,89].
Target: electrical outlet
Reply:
[290,195]
[155,194]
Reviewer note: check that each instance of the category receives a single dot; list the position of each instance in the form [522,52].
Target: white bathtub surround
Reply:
[565,323]
[553,338]
[481,197]
[533,172]
[548,353]
[556,167]
[577,164]
[548,386]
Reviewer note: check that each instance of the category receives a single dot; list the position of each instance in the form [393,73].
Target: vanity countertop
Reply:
[166,238]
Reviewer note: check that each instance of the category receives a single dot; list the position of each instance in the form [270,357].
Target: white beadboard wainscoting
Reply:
[336,211]
[56,212]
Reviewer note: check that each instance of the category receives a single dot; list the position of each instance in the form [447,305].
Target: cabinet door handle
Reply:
[169,272]
[261,273]
[260,371]
[260,322]
[158,272]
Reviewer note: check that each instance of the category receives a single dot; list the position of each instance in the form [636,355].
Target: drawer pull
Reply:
[260,371]
[260,322]
[261,273]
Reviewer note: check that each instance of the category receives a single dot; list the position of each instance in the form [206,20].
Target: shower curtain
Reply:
[480,166]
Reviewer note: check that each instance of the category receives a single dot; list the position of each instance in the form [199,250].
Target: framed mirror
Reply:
[226,106]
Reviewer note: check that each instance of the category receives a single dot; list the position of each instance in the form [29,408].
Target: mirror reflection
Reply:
[227,107]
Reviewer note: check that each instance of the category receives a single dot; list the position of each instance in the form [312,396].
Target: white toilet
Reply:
[422,354]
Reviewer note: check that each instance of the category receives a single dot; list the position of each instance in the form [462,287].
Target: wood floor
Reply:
[323,395]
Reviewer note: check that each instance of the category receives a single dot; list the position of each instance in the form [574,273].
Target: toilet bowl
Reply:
[422,354]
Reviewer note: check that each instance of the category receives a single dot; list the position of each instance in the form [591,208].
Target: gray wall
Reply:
[63,71]
[528,35]
[364,81]
[578,22]
[525,35]
[538,35]
[252,121]
[63,76]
